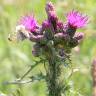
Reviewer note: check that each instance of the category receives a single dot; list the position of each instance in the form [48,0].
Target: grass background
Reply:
[16,57]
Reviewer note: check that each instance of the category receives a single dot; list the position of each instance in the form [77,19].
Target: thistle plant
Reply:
[53,42]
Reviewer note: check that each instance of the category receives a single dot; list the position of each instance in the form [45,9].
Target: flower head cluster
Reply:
[61,35]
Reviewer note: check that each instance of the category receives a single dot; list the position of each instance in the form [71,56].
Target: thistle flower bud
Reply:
[49,7]
[45,24]
[73,43]
[79,36]
[61,36]
[36,50]
[51,15]
[60,25]
[53,19]
[36,38]
[47,27]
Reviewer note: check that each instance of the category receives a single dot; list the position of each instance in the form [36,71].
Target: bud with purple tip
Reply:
[79,36]
[60,24]
[45,25]
[52,17]
[49,7]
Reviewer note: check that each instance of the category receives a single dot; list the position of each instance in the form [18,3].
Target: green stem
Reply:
[53,74]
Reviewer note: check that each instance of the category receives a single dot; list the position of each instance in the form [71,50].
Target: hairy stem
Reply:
[53,74]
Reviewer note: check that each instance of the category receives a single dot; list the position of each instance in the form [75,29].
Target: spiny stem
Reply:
[53,80]
[53,74]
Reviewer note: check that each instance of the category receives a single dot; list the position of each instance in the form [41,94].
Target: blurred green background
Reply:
[15,58]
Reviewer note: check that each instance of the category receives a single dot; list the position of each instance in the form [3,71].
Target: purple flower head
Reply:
[29,23]
[76,19]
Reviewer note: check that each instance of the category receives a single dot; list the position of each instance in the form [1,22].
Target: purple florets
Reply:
[76,19]
[29,23]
